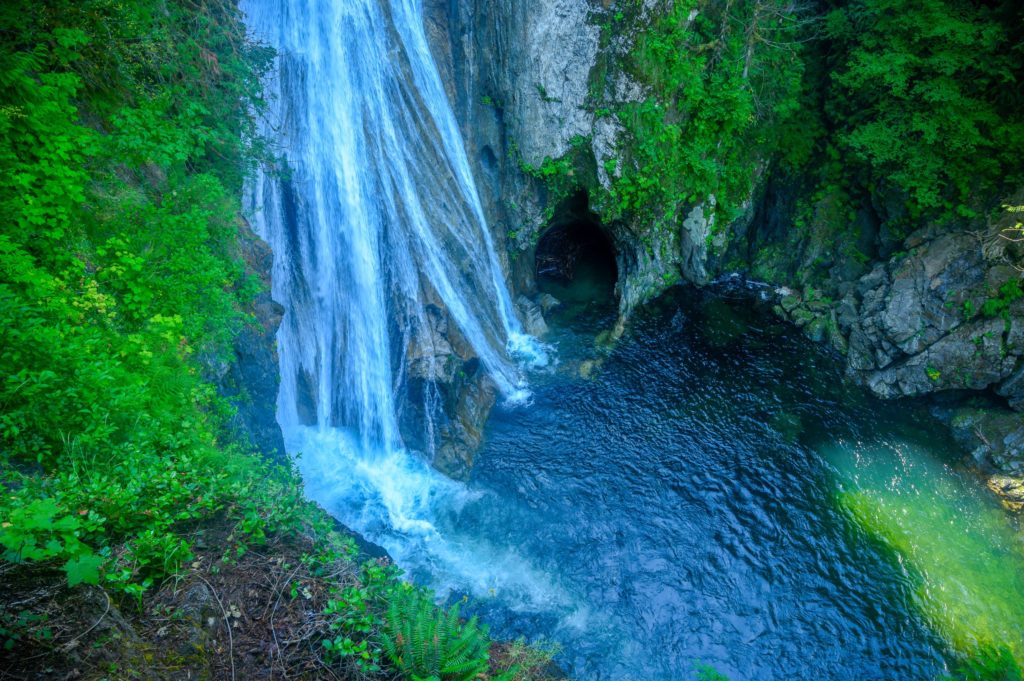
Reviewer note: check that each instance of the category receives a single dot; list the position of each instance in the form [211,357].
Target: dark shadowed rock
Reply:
[251,381]
[463,434]
[916,328]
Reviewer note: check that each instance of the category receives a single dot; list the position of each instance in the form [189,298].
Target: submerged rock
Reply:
[993,435]
[788,425]
[721,324]
[1010,490]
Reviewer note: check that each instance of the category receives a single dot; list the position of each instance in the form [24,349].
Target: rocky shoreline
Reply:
[916,325]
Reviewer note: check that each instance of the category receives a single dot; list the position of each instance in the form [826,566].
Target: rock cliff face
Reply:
[251,382]
[909,315]
[524,80]
[943,317]
[915,325]
[449,394]
[516,74]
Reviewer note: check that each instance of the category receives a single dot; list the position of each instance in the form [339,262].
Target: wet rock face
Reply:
[915,325]
[430,355]
[448,396]
[524,77]
[519,74]
[251,381]
[470,404]
[530,59]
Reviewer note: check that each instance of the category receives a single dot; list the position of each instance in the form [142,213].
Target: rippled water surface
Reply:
[680,504]
[711,494]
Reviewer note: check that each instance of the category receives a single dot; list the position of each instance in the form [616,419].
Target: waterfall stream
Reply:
[373,218]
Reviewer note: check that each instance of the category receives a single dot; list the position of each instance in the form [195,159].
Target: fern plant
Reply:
[428,643]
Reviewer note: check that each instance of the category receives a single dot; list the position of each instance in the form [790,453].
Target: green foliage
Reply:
[999,304]
[724,82]
[926,97]
[14,625]
[379,622]
[425,642]
[125,130]
[356,614]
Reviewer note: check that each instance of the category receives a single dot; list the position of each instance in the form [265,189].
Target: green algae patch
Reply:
[962,553]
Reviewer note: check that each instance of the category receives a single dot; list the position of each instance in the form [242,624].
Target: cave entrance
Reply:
[575,258]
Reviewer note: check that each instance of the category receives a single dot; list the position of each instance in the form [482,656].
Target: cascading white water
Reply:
[374,214]
[380,205]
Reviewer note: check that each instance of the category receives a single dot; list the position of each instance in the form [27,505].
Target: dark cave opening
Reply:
[575,257]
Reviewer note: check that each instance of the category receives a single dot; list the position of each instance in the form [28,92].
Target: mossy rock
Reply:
[790,303]
[817,329]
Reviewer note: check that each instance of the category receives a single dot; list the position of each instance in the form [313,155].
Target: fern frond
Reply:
[426,642]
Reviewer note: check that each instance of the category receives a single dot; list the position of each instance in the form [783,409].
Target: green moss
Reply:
[714,97]
[998,304]
[966,560]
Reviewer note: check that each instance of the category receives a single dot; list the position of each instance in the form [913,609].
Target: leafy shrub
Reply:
[925,97]
[426,642]
[125,131]
[724,89]
[356,614]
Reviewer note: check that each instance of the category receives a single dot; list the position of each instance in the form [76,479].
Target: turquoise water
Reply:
[962,556]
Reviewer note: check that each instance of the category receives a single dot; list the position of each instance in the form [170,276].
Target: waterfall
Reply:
[373,217]
[379,212]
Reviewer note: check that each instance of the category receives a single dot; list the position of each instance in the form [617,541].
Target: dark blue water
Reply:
[678,504]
